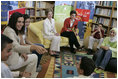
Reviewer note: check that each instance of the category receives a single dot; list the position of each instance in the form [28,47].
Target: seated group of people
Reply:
[17,51]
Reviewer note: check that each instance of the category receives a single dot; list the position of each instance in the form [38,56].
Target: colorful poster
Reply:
[89,5]
[5,7]
[83,14]
[21,10]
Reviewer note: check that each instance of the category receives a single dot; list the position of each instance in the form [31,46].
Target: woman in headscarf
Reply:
[108,50]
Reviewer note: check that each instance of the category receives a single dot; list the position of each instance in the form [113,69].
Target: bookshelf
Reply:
[105,13]
[36,9]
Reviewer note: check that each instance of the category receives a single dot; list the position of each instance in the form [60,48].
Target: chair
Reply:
[35,34]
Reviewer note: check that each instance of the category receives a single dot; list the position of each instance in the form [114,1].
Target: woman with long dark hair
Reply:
[16,61]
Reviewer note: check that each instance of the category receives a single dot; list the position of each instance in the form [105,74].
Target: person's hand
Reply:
[105,47]
[25,74]
[76,33]
[99,29]
[57,34]
[24,56]
[39,49]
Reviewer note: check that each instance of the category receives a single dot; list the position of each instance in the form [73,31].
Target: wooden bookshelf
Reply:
[105,13]
[37,11]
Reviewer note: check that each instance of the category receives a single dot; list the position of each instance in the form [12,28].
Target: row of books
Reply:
[30,4]
[101,11]
[104,3]
[41,13]
[114,23]
[30,12]
[104,21]
[42,4]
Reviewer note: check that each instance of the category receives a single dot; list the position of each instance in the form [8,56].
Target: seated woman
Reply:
[69,30]
[24,41]
[15,61]
[51,34]
[108,50]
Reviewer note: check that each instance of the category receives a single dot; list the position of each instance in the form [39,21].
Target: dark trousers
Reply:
[72,39]
[39,55]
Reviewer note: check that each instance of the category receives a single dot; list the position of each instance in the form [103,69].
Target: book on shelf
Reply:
[105,12]
[104,21]
[38,13]
[43,13]
[38,4]
[30,4]
[104,3]
[30,12]
[27,11]
[42,4]
[115,14]
[114,23]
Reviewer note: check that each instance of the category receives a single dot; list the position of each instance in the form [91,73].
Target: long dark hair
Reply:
[13,20]
[22,31]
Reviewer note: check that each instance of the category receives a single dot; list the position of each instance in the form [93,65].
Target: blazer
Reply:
[67,25]
[17,48]
[49,28]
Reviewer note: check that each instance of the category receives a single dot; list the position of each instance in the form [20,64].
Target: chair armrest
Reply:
[36,31]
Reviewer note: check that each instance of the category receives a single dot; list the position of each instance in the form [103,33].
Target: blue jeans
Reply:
[39,55]
[103,57]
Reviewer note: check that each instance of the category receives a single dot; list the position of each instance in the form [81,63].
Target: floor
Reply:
[60,68]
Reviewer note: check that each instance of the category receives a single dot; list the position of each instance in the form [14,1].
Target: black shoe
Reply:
[56,56]
[73,51]
[89,52]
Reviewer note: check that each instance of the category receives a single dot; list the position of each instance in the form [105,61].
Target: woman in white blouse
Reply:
[51,34]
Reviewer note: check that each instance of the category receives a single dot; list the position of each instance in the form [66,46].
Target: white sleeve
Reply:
[15,74]
[5,71]
[54,27]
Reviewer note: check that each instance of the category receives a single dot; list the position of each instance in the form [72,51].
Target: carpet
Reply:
[65,66]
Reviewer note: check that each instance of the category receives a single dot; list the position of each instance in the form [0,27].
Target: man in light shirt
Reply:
[6,46]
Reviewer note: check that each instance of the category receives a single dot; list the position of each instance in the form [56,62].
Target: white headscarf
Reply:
[113,39]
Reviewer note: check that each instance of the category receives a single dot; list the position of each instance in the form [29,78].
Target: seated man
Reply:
[98,35]
[6,46]
[86,67]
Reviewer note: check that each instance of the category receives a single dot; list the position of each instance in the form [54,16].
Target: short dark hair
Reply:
[26,16]
[101,24]
[73,12]
[87,65]
[13,20]
[4,41]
